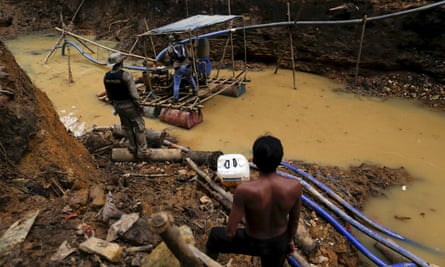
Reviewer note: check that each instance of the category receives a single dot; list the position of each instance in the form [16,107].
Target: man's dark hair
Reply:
[267,153]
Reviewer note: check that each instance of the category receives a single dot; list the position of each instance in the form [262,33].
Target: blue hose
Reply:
[343,231]
[308,22]
[354,210]
[66,42]
[358,225]
[292,261]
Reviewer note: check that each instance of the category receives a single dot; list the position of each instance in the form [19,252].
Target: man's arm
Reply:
[294,216]
[127,77]
[236,212]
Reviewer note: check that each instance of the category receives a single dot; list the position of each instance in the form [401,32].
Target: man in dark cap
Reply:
[123,95]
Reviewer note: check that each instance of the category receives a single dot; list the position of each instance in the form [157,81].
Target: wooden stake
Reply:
[291,47]
[62,36]
[70,74]
[360,48]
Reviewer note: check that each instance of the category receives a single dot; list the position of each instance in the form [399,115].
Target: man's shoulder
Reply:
[248,187]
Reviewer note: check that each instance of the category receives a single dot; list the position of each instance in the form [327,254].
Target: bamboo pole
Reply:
[222,58]
[360,48]
[291,47]
[151,39]
[102,46]
[70,73]
[62,36]
[231,40]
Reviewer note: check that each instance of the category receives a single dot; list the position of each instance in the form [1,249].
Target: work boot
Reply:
[132,150]
[131,141]
[142,151]
[145,154]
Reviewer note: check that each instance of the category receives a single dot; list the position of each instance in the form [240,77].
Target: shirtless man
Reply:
[271,206]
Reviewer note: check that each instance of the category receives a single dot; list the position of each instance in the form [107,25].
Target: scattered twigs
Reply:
[145,248]
[7,160]
[70,25]
[227,204]
[212,184]
[116,22]
[103,149]
[58,186]
[153,175]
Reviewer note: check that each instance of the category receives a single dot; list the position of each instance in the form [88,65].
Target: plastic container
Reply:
[233,169]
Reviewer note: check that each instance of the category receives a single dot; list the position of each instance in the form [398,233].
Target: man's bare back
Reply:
[265,203]
[271,205]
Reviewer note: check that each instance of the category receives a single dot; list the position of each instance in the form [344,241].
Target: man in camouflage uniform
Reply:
[123,95]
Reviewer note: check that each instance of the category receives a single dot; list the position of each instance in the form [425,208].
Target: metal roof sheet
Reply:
[191,24]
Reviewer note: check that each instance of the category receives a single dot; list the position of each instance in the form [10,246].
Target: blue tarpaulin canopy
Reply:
[191,24]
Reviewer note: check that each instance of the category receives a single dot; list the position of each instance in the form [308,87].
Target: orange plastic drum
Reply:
[182,118]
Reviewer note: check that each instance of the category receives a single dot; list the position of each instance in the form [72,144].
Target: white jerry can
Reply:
[233,169]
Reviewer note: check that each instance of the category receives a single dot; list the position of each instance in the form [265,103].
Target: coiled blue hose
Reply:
[359,226]
[356,212]
[343,231]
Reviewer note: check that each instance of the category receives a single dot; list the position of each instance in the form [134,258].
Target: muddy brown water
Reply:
[315,123]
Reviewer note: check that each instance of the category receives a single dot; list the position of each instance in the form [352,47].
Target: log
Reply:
[223,201]
[208,158]
[161,223]
[5,22]
[154,139]
[157,154]
[209,262]
[212,184]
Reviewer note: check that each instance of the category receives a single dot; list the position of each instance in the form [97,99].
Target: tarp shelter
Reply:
[191,24]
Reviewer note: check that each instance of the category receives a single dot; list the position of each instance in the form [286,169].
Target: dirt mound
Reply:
[40,160]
